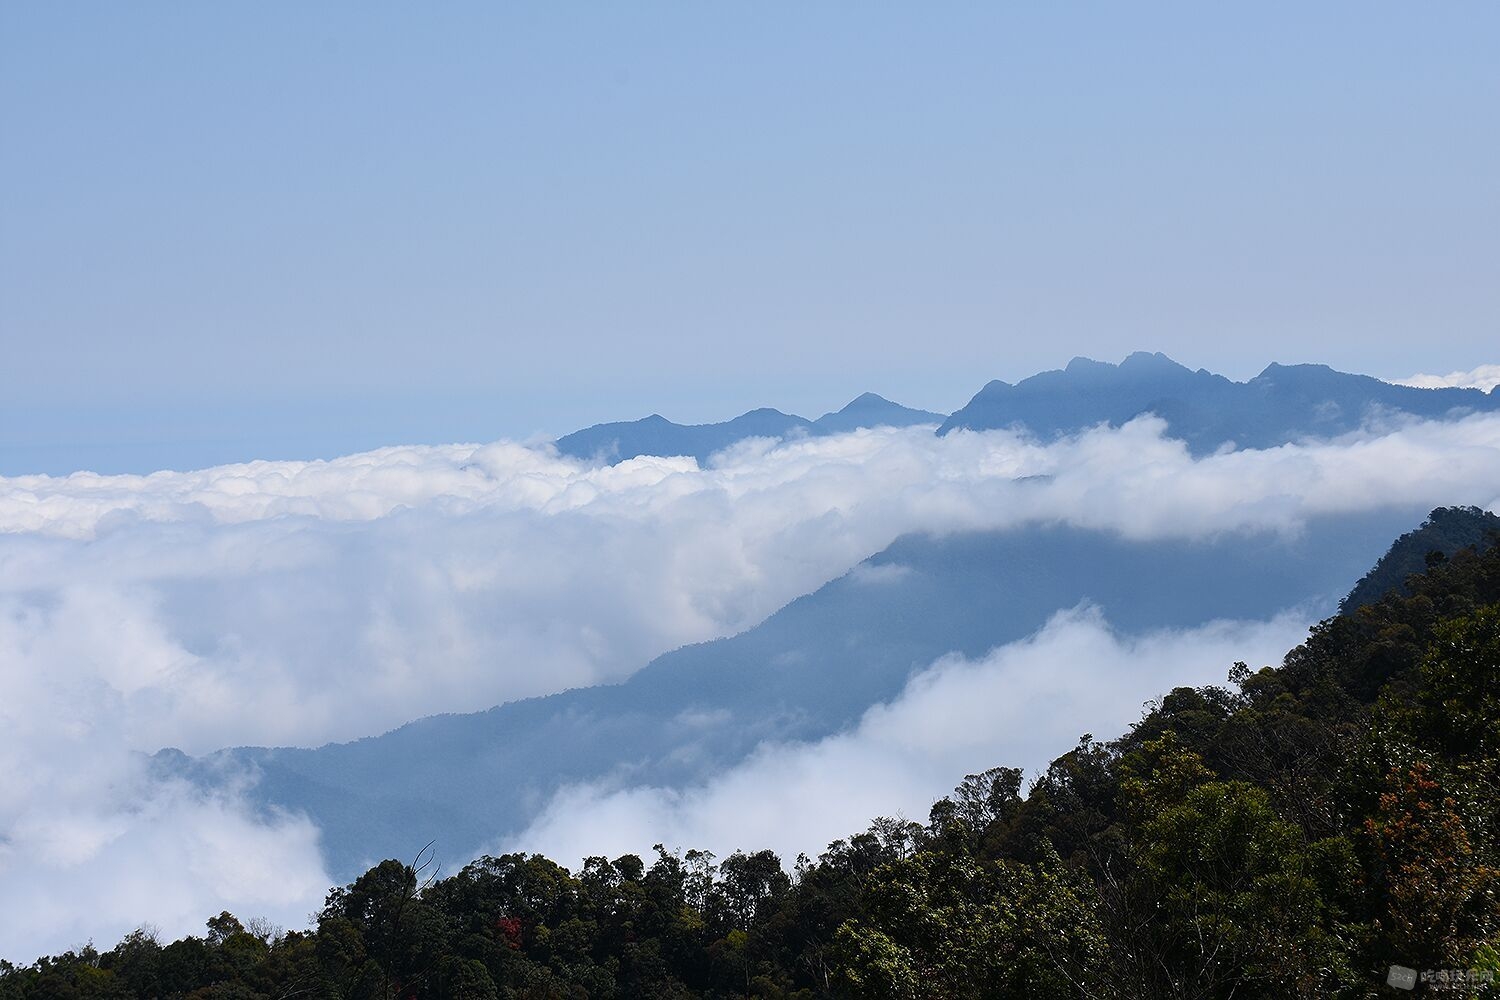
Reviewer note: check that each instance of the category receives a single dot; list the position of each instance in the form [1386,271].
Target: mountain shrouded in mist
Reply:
[808,671]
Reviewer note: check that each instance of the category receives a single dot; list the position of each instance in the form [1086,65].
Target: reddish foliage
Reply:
[509,929]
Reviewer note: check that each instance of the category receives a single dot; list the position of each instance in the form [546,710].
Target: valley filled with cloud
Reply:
[1020,706]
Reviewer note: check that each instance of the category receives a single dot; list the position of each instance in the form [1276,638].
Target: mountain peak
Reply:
[866,400]
[1081,365]
[871,410]
[1147,361]
[1137,364]
[765,411]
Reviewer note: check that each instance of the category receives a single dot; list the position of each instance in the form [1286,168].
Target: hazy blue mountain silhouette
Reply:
[870,410]
[1283,403]
[656,435]
[808,671]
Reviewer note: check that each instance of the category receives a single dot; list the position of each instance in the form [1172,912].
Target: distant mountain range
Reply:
[1282,404]
[656,435]
[810,670]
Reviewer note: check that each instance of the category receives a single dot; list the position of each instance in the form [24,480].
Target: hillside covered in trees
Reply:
[1293,834]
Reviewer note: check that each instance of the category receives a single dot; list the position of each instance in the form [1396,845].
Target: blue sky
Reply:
[231,231]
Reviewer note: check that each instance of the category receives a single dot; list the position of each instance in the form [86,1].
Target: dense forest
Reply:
[1293,834]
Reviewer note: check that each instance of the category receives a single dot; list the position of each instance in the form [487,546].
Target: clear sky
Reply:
[239,230]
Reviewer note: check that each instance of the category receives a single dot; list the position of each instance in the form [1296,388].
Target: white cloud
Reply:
[1484,377]
[91,845]
[168,857]
[294,603]
[1019,706]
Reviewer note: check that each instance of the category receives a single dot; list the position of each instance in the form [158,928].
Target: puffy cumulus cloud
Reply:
[1146,486]
[1484,377]
[300,602]
[1019,706]
[363,487]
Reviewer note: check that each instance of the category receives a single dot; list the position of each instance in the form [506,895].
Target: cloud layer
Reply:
[76,868]
[295,603]
[1484,377]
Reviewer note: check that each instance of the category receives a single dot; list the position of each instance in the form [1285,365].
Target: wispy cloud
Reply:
[91,845]
[91,867]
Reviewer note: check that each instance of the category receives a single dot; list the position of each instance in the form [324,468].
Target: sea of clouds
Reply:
[294,603]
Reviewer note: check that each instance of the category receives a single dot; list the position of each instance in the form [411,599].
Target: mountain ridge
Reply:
[1445,531]
[1280,405]
[618,441]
